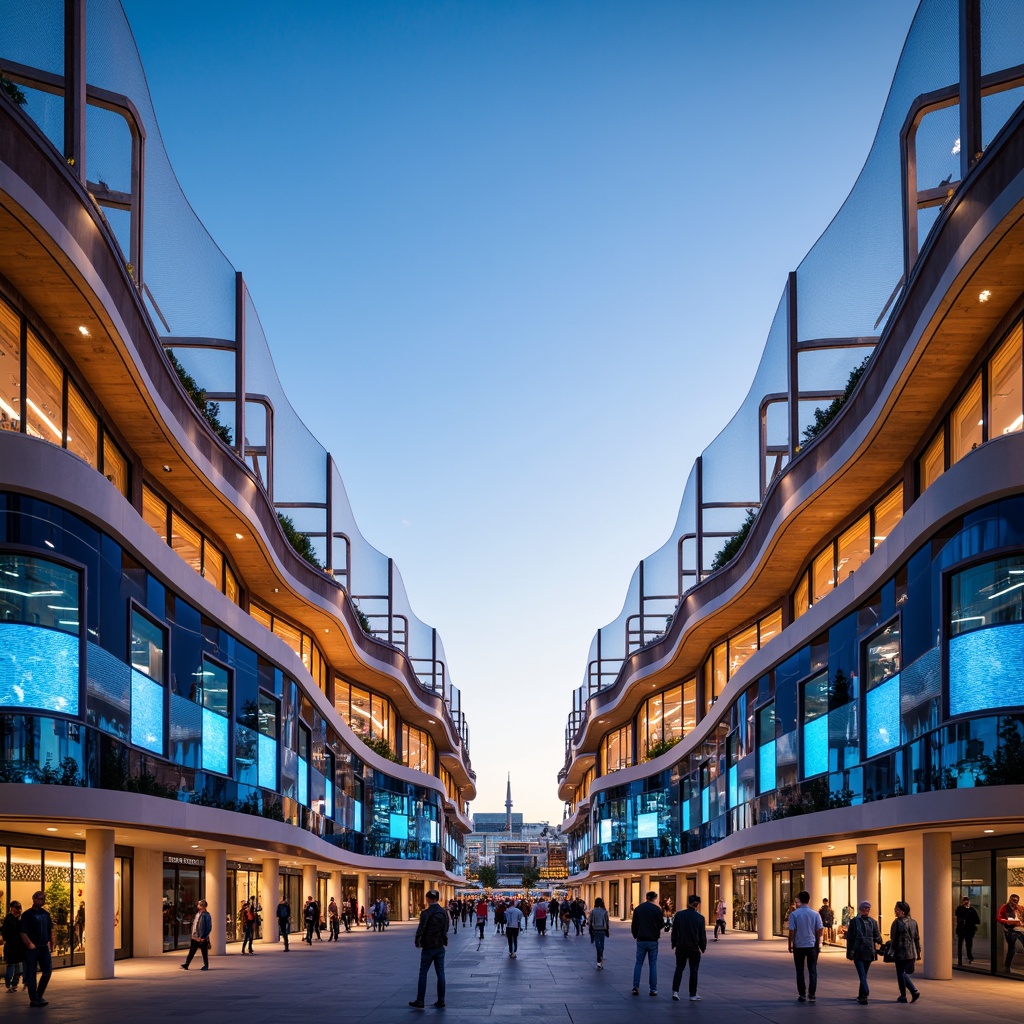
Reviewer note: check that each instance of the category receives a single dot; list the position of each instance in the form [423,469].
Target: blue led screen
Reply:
[647,825]
[147,713]
[734,782]
[215,742]
[986,669]
[357,815]
[38,669]
[816,747]
[398,826]
[604,830]
[268,762]
[303,782]
[328,798]
[766,758]
[705,805]
[883,727]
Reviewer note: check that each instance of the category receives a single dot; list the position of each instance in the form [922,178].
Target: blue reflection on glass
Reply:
[766,764]
[734,776]
[268,762]
[816,747]
[38,669]
[357,815]
[883,727]
[215,742]
[686,815]
[705,804]
[328,798]
[303,782]
[398,826]
[986,669]
[147,713]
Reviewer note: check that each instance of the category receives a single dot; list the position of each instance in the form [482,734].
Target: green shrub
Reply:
[729,549]
[299,541]
[823,417]
[209,410]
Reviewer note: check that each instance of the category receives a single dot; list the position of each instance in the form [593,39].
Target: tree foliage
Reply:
[823,417]
[729,549]
[488,875]
[209,410]
[299,541]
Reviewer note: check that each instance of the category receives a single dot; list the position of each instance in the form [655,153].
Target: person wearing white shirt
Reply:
[514,920]
[805,930]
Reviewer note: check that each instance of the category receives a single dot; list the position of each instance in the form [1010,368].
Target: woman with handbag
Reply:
[904,949]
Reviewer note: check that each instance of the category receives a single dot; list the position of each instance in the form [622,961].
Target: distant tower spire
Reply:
[508,805]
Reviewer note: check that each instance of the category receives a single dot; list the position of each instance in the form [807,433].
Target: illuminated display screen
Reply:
[357,815]
[883,726]
[268,762]
[986,669]
[398,826]
[215,742]
[147,713]
[328,798]
[647,825]
[816,747]
[38,669]
[766,764]
[303,782]
[605,830]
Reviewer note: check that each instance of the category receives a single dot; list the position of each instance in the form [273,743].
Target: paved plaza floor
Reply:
[370,977]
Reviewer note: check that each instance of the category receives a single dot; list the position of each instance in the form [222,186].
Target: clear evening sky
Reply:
[516,262]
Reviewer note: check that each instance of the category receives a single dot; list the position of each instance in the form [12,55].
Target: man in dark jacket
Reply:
[646,927]
[37,935]
[862,941]
[431,938]
[689,940]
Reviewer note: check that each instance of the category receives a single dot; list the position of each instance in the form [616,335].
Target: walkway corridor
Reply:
[369,977]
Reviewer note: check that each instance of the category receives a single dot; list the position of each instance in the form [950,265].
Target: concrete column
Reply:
[935,921]
[336,890]
[624,895]
[867,877]
[147,902]
[645,887]
[271,897]
[99,876]
[363,891]
[813,881]
[704,892]
[765,898]
[217,898]
[725,875]
[403,889]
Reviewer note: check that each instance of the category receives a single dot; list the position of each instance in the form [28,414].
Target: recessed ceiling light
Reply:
[50,828]
[195,846]
[238,536]
[327,630]
[83,330]
[831,846]
[985,296]
[275,590]
[989,831]
[167,469]
[431,721]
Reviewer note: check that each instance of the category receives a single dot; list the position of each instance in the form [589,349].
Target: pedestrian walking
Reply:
[690,941]
[333,920]
[202,926]
[284,916]
[905,950]
[646,927]
[310,918]
[720,911]
[805,928]
[481,916]
[540,917]
[431,939]
[600,929]
[862,941]
[967,924]
[14,947]
[1009,916]
[514,921]
[37,937]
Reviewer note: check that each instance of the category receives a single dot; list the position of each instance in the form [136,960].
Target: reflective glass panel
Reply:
[154,511]
[801,597]
[115,465]
[966,425]
[689,706]
[213,565]
[83,428]
[823,575]
[149,642]
[987,595]
[854,548]
[45,400]
[888,512]
[883,714]
[186,541]
[39,592]
[147,713]
[216,687]
[10,369]
[1006,414]
[741,647]
[883,654]
[933,462]
[770,626]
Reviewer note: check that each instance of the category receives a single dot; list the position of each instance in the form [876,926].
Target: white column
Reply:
[336,890]
[704,892]
[99,875]
[935,921]
[147,902]
[217,898]
[625,888]
[725,876]
[363,891]
[403,898]
[271,897]
[867,878]
[308,884]
[813,882]
[765,898]
[645,888]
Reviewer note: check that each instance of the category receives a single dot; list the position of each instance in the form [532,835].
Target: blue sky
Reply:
[517,262]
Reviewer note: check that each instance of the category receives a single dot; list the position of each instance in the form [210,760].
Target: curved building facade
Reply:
[210,684]
[819,680]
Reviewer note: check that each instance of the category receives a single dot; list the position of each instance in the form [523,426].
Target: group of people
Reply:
[28,945]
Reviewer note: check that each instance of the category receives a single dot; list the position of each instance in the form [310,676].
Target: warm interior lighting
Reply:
[46,419]
[7,409]
[985,296]
[238,536]
[83,330]
[989,831]
[167,469]
[1015,425]
[50,828]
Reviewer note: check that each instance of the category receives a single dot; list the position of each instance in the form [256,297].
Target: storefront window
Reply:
[83,428]
[10,369]
[823,575]
[115,465]
[1006,413]
[149,642]
[216,696]
[154,511]
[933,462]
[186,541]
[888,512]
[854,548]
[45,402]
[967,424]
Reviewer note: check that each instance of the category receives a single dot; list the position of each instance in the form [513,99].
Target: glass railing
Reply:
[192,293]
[833,310]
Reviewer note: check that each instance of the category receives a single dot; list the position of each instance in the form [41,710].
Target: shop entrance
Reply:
[390,890]
[183,888]
[744,900]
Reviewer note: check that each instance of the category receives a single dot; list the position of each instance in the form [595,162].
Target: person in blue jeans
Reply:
[599,930]
[37,935]
[646,926]
[431,938]
[862,941]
